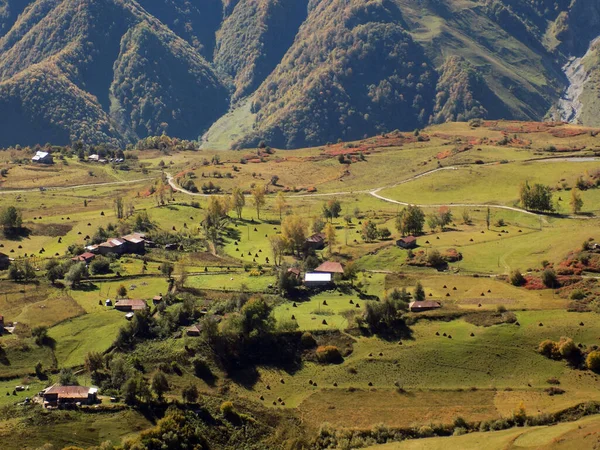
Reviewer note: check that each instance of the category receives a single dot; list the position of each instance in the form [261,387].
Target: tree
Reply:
[410,220]
[159,384]
[256,318]
[280,204]
[190,393]
[332,209]
[160,192]
[293,230]
[466,217]
[122,291]
[318,225]
[119,207]
[488,217]
[100,265]
[135,389]
[94,362]
[21,271]
[433,221]
[238,201]
[350,272]
[258,197]
[444,216]
[369,231]
[76,274]
[419,294]
[278,246]
[11,219]
[182,274]
[549,278]
[435,259]
[536,198]
[66,377]
[576,201]
[331,237]
[167,269]
[40,334]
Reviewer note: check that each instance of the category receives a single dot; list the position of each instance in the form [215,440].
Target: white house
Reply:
[42,158]
[316,279]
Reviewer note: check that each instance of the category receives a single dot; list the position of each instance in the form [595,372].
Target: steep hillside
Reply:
[313,71]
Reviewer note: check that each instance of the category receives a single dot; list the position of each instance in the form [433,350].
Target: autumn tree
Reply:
[410,220]
[280,204]
[238,201]
[278,246]
[332,209]
[119,206]
[293,230]
[369,231]
[258,197]
[331,237]
[576,201]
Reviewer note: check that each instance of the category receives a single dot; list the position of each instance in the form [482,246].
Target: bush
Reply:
[567,348]
[329,354]
[549,278]
[577,294]
[425,431]
[100,266]
[549,349]
[592,362]
[517,278]
[307,340]
[227,409]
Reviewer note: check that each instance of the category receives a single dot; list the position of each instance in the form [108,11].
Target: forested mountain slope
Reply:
[313,71]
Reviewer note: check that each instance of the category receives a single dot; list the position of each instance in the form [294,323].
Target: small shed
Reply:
[316,279]
[108,302]
[426,305]
[157,299]
[194,330]
[407,242]
[86,257]
[128,305]
[315,242]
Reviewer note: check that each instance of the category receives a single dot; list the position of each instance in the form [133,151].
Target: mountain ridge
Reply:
[313,70]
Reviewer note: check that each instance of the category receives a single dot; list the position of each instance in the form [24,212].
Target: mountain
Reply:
[299,72]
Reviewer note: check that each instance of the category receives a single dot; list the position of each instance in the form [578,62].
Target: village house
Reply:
[135,243]
[57,395]
[407,242]
[4,261]
[127,305]
[330,267]
[194,331]
[426,305]
[42,158]
[317,279]
[86,257]
[315,242]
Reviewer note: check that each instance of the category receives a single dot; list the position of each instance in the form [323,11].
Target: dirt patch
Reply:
[49,229]
[358,408]
[490,318]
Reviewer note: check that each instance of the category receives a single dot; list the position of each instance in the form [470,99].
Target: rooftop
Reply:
[134,304]
[424,304]
[70,391]
[330,267]
[408,239]
[318,277]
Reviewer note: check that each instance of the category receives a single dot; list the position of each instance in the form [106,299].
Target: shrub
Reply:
[577,294]
[517,278]
[100,266]
[549,349]
[308,340]
[549,278]
[567,347]
[592,362]
[227,409]
[425,431]
[329,354]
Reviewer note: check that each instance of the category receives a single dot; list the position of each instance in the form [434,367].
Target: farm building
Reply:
[135,243]
[315,242]
[127,305]
[330,267]
[84,257]
[57,395]
[407,242]
[42,158]
[157,299]
[427,305]
[294,272]
[4,261]
[194,330]
[317,279]
[114,245]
